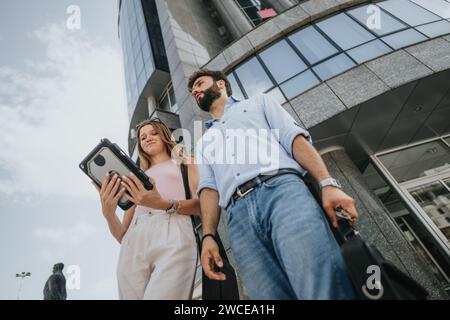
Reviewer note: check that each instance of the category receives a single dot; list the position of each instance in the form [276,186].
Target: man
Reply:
[279,235]
[55,287]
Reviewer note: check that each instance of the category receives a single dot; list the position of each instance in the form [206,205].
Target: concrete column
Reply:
[376,225]
[233,17]
[151,104]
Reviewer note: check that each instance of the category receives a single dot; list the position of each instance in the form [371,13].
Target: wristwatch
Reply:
[173,208]
[329,182]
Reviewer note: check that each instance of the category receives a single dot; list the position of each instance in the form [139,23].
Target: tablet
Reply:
[107,157]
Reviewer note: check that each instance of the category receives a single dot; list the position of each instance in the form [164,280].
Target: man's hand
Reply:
[333,198]
[211,258]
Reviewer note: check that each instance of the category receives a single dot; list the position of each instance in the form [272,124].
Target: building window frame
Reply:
[410,202]
[386,47]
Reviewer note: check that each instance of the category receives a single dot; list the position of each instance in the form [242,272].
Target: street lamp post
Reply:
[21,275]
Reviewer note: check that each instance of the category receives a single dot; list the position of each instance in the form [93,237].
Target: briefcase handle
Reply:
[346,229]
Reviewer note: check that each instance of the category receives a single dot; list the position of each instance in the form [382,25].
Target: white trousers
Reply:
[157,258]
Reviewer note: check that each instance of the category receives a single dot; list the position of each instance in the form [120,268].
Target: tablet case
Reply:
[107,157]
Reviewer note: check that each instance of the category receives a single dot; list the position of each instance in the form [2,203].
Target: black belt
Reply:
[248,186]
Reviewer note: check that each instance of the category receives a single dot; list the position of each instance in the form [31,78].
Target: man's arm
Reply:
[210,213]
[210,210]
[332,197]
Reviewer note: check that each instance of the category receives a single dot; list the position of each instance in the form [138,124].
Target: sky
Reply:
[61,91]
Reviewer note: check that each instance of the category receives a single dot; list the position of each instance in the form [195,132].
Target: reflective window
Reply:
[168,101]
[142,80]
[131,14]
[319,46]
[134,29]
[146,50]
[237,93]
[135,46]
[134,91]
[282,61]
[164,104]
[133,76]
[137,53]
[417,161]
[403,38]
[435,29]
[346,32]
[139,63]
[299,84]
[312,44]
[439,7]
[407,221]
[251,9]
[149,67]
[141,22]
[333,66]
[143,36]
[139,15]
[387,23]
[368,51]
[408,12]
[173,100]
[253,77]
[434,199]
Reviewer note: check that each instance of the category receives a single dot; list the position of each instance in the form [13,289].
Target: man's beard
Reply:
[209,96]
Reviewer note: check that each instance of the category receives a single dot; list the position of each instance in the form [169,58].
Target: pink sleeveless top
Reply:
[169,182]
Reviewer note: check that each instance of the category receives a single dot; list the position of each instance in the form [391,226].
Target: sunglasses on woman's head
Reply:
[148,121]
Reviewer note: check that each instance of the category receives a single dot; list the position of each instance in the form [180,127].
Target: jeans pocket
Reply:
[229,214]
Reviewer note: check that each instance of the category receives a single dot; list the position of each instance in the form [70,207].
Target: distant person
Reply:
[158,249]
[55,287]
[278,233]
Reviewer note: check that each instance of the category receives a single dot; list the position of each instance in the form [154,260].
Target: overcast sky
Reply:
[61,91]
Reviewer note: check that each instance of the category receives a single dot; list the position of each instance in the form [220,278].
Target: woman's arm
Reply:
[152,199]
[109,198]
[118,228]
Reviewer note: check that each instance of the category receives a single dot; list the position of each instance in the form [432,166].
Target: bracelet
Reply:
[207,235]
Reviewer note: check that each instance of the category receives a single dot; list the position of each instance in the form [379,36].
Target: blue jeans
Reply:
[283,246]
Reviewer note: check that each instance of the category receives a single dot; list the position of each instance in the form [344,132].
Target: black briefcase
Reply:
[217,289]
[373,277]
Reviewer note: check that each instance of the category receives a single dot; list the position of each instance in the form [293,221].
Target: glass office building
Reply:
[369,79]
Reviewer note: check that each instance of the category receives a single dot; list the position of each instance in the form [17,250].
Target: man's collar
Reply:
[230,101]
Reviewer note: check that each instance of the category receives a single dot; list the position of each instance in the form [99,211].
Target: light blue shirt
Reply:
[253,137]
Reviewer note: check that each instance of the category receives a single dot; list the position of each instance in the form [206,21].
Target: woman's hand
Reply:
[110,194]
[141,196]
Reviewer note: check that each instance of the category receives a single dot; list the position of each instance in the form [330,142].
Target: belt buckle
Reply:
[240,194]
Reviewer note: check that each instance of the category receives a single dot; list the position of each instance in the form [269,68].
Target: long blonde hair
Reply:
[174,150]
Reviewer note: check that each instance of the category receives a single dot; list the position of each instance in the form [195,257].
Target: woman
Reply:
[158,250]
